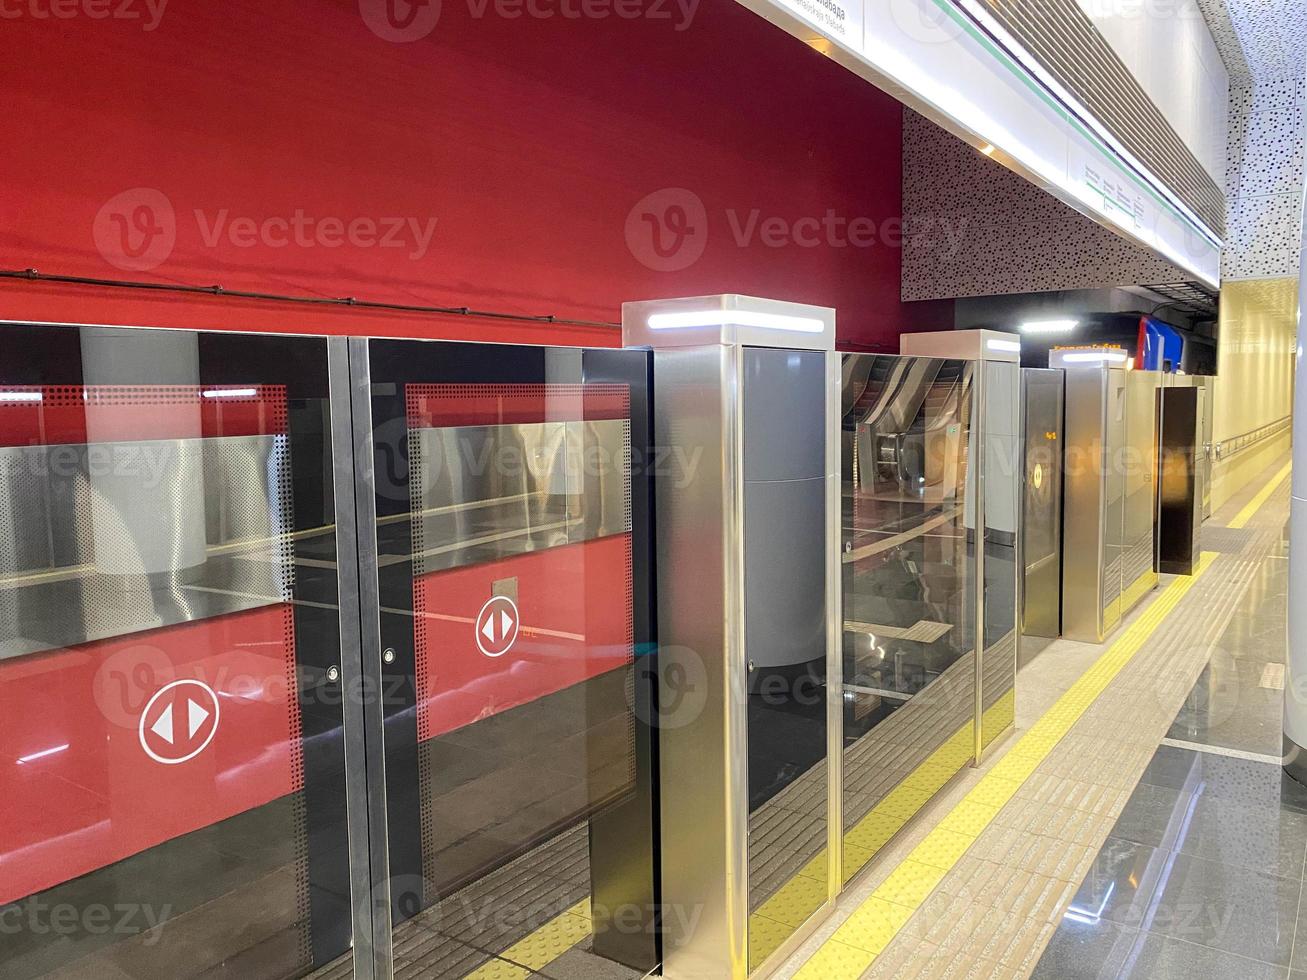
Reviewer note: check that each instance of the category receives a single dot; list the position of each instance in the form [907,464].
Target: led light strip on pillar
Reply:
[735,318]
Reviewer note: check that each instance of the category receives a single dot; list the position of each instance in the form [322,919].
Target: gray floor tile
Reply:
[1228,707]
[1085,951]
[1235,909]
[1267,839]
[1245,782]
[1164,958]
[1299,961]
[1152,816]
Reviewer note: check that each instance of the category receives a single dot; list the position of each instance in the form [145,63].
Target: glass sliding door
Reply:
[908,591]
[513,571]
[171,750]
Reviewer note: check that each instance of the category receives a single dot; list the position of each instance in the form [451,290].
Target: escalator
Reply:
[908,661]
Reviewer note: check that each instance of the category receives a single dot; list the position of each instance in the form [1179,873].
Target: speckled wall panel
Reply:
[978,229]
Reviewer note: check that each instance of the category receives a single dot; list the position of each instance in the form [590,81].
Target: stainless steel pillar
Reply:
[1295,689]
[747,509]
[1110,490]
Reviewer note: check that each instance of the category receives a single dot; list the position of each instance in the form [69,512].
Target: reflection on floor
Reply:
[528,919]
[1138,826]
[1202,875]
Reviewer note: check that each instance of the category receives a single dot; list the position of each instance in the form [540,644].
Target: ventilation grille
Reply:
[1063,39]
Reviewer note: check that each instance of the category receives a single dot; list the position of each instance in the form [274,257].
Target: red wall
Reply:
[528,141]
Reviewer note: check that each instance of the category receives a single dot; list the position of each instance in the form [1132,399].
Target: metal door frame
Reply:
[360,633]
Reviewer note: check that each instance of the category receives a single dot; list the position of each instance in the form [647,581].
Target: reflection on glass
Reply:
[909,669]
[508,539]
[786,641]
[1003,453]
[1041,529]
[167,736]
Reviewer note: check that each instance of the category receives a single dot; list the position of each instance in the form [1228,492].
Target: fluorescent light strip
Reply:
[979,121]
[1028,61]
[20,396]
[735,318]
[42,754]
[1005,346]
[1049,326]
[230,393]
[1094,357]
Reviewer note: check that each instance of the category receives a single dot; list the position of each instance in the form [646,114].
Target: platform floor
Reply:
[1136,824]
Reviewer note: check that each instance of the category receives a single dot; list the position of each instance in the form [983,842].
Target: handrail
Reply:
[1237,444]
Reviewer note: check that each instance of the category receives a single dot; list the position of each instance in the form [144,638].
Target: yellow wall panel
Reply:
[1254,384]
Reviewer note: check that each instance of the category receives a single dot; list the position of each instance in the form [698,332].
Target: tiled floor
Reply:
[1158,837]
[1202,875]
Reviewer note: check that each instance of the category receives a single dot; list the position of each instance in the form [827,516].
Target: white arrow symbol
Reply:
[498,627]
[197,716]
[163,727]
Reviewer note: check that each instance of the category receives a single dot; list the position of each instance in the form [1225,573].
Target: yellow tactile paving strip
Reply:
[857,942]
[540,948]
[776,919]
[1244,516]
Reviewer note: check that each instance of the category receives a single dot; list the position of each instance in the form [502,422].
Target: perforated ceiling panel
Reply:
[1264,45]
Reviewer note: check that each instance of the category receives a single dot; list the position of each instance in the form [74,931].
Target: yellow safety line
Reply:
[540,948]
[865,934]
[1244,516]
[801,896]
[1144,584]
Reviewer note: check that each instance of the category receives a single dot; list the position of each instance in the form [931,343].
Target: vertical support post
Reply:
[360,640]
[834,629]
[738,381]
[1295,700]
[978,473]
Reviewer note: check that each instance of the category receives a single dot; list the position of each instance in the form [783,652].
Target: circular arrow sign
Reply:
[496,626]
[179,722]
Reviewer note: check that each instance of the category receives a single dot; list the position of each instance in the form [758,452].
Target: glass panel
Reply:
[1003,454]
[908,588]
[785,641]
[1041,544]
[1139,463]
[170,755]
[514,552]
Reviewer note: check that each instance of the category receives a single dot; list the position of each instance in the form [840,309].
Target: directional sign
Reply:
[179,722]
[496,626]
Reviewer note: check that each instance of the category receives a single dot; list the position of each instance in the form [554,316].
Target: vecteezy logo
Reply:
[136,230]
[126,680]
[400,21]
[667,230]
[925,22]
